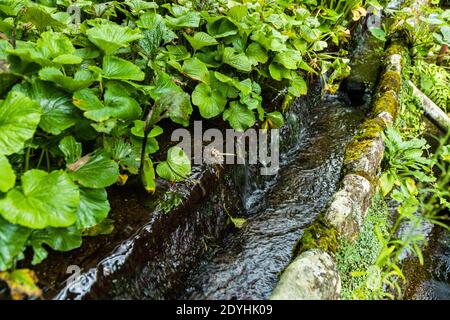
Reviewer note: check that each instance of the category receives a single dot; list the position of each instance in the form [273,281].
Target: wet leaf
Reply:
[43,200]
[71,149]
[120,69]
[209,101]
[94,207]
[82,79]
[59,113]
[60,239]
[13,239]
[95,171]
[237,60]
[19,118]
[196,70]
[239,116]
[7,175]
[176,168]
[200,40]
[148,175]
[111,37]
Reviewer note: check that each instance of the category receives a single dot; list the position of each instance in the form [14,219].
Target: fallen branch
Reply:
[431,109]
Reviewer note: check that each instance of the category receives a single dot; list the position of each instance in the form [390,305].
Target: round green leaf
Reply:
[59,113]
[177,167]
[200,40]
[94,171]
[44,200]
[239,116]
[196,70]
[60,239]
[19,117]
[120,69]
[94,207]
[210,102]
[12,239]
[110,37]
[7,175]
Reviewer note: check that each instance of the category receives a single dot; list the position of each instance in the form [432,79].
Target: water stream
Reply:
[248,263]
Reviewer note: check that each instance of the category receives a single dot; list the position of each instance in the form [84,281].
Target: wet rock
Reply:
[365,158]
[349,206]
[312,276]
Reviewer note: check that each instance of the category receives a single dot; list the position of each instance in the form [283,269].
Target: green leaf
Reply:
[44,200]
[148,175]
[278,72]
[188,20]
[177,167]
[71,149]
[196,70]
[298,86]
[7,175]
[173,99]
[40,18]
[200,40]
[120,69]
[239,116]
[244,86]
[51,49]
[220,27]
[290,59]
[59,239]
[59,113]
[83,79]
[110,37]
[13,239]
[94,208]
[19,118]
[209,101]
[12,7]
[236,60]
[138,130]
[238,222]
[94,171]
[68,59]
[106,227]
[275,120]
[156,32]
[117,105]
[238,12]
[378,33]
[256,53]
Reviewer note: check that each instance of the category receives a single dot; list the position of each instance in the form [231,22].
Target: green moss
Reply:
[390,80]
[362,254]
[387,102]
[318,236]
[395,49]
[369,130]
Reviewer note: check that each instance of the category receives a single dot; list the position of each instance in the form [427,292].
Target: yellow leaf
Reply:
[123,178]
[22,284]
[358,13]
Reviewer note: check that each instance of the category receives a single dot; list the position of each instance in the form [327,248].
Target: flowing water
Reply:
[248,263]
[432,280]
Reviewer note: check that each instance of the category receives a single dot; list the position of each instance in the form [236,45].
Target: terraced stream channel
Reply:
[247,264]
